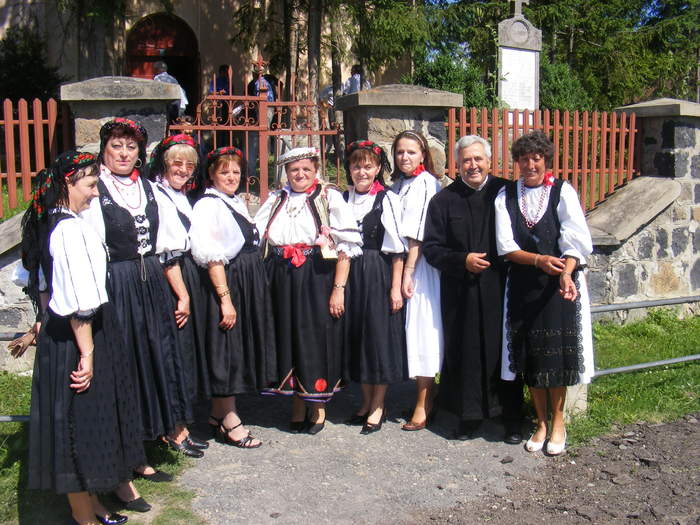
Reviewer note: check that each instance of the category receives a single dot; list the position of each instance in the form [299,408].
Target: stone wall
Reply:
[646,252]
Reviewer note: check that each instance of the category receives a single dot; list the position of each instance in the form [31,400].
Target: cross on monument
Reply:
[519,6]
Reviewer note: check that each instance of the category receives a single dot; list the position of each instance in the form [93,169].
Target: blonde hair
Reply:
[183,150]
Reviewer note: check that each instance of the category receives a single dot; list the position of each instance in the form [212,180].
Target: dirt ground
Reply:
[640,474]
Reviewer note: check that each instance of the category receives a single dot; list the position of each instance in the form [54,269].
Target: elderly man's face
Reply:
[474,165]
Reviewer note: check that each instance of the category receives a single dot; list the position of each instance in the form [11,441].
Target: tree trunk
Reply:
[314,60]
[336,117]
[290,40]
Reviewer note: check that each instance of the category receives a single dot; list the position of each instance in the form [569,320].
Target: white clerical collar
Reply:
[481,186]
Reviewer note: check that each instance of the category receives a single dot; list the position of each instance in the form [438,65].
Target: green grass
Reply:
[21,203]
[19,505]
[654,395]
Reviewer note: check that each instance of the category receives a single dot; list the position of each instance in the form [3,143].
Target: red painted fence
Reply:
[31,135]
[594,151]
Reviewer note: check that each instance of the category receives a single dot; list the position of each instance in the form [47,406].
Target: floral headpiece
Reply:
[376,149]
[224,150]
[156,166]
[121,122]
[64,167]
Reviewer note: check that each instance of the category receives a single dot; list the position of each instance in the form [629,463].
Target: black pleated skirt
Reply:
[90,441]
[377,337]
[145,309]
[193,336]
[543,330]
[242,360]
[311,345]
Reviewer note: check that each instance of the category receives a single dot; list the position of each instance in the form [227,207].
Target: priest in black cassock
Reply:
[460,241]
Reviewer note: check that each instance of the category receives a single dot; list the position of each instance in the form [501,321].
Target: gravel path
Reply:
[341,477]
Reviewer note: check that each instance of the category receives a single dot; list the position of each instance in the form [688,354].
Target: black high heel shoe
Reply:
[213,427]
[356,419]
[184,448]
[112,519]
[369,428]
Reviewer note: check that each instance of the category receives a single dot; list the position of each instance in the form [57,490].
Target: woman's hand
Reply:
[228,313]
[408,284]
[476,262]
[336,305]
[182,311]
[549,264]
[82,375]
[567,287]
[395,299]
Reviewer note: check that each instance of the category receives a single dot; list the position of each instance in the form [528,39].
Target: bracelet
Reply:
[224,293]
[537,256]
[409,267]
[88,353]
[335,285]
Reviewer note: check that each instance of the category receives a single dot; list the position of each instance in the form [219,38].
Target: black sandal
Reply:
[222,436]
[214,427]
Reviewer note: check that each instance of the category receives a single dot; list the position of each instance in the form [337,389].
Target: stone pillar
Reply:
[381,113]
[97,100]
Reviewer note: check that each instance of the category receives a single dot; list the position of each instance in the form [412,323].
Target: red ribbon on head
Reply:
[549,179]
[419,169]
[376,187]
[311,188]
[295,253]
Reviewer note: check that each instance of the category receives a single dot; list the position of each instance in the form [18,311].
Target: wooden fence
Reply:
[594,151]
[28,143]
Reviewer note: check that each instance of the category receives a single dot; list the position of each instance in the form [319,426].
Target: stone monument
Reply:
[97,100]
[519,46]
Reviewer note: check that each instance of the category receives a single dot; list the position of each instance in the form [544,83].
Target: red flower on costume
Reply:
[376,187]
[311,188]
[419,169]
[549,179]
[320,385]
[134,174]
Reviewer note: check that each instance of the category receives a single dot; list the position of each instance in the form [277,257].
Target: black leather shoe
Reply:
[136,505]
[112,519]
[157,477]
[513,437]
[193,442]
[356,419]
[467,430]
[184,448]
[370,428]
[297,427]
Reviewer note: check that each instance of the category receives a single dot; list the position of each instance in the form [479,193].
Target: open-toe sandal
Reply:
[222,436]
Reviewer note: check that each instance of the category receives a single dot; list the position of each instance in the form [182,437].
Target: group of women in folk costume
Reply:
[193,298]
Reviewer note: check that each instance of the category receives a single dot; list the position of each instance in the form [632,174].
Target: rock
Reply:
[507,459]
[275,515]
[622,479]
[629,434]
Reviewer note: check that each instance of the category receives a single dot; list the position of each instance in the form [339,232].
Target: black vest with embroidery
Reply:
[248,229]
[122,229]
[543,238]
[371,228]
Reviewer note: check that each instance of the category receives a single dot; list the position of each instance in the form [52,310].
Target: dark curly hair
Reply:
[533,142]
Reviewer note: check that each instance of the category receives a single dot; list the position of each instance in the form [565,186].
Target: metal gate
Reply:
[264,129]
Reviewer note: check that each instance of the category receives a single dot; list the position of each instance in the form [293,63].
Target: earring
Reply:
[138,163]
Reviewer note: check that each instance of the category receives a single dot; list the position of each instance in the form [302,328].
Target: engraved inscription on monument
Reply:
[519,78]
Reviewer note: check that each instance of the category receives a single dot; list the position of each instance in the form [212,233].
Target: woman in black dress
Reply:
[375,314]
[172,166]
[83,436]
[140,232]
[542,231]
[310,234]
[240,338]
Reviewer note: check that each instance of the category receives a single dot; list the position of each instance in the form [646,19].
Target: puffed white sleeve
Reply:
[172,239]
[79,271]
[214,233]
[391,209]
[505,241]
[574,238]
[415,207]
[343,225]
